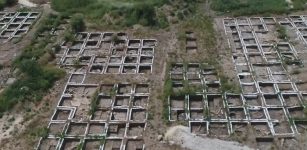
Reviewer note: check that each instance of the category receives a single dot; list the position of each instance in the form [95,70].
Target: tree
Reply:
[77,23]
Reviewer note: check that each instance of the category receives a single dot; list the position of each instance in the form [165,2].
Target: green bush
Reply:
[77,23]
[143,14]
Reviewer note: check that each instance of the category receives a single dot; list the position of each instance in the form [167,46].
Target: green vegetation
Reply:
[113,91]
[228,86]
[40,132]
[80,146]
[167,91]
[122,12]
[187,89]
[4,3]
[77,23]
[77,63]
[94,102]
[299,4]
[31,86]
[203,25]
[35,75]
[62,5]
[250,7]
[282,32]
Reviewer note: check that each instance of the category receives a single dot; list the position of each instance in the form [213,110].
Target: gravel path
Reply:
[181,135]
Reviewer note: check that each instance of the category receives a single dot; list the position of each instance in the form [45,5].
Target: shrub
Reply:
[77,23]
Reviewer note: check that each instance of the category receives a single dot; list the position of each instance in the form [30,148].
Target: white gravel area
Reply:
[180,135]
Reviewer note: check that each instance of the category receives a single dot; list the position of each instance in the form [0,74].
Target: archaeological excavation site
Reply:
[153,75]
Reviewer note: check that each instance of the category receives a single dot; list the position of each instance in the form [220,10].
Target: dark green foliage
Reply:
[63,5]
[52,21]
[142,13]
[249,7]
[77,23]
[122,12]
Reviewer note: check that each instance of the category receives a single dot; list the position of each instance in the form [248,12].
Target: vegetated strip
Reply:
[251,7]
[115,13]
[35,75]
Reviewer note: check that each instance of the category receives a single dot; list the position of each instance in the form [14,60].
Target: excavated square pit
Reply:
[96,129]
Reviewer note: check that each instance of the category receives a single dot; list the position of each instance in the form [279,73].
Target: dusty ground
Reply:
[182,136]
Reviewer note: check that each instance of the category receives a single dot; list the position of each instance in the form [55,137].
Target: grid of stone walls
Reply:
[107,53]
[299,23]
[16,24]
[272,102]
[202,104]
[116,120]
